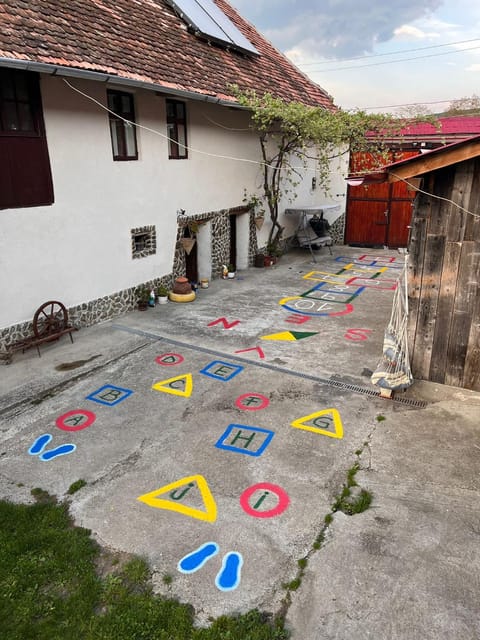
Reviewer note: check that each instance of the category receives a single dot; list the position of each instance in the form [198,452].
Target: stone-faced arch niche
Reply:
[221,238]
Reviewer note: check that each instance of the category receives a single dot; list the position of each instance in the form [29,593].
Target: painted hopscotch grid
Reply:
[333,293]
[383,284]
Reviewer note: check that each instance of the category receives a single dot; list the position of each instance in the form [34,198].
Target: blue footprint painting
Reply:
[41,442]
[228,578]
[196,559]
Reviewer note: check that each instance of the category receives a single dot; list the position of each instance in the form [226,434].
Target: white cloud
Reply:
[333,28]
[409,32]
[316,35]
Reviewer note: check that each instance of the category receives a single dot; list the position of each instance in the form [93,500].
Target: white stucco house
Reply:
[91,206]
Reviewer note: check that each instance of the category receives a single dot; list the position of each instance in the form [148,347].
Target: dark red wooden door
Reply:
[378,214]
[366,222]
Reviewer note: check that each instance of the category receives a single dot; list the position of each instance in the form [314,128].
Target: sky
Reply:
[376,54]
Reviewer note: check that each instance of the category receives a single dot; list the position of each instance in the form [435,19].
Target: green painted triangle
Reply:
[299,335]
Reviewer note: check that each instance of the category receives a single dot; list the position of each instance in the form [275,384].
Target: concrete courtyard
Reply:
[215,436]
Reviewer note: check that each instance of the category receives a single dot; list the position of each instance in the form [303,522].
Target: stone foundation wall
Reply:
[337,230]
[85,314]
[116,304]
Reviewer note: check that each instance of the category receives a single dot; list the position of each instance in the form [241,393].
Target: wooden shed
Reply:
[380,214]
[444,262]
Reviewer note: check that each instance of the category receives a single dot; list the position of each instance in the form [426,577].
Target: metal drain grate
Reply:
[371,392]
[272,367]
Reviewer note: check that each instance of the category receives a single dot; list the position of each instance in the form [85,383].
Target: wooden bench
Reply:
[49,323]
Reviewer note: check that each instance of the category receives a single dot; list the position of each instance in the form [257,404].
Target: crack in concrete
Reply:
[19,407]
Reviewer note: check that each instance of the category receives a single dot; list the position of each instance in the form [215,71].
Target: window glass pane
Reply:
[10,117]
[113,133]
[180,111]
[172,146]
[6,86]
[170,110]
[182,140]
[25,117]
[111,101]
[130,140]
[21,88]
[126,107]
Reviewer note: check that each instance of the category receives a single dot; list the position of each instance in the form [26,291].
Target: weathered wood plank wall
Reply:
[444,278]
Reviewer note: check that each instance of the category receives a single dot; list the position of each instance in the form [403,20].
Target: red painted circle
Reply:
[264,402]
[89,415]
[177,356]
[283,500]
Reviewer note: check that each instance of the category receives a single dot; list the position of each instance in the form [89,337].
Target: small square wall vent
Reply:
[144,241]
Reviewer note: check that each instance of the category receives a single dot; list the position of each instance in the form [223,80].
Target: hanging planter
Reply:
[187,244]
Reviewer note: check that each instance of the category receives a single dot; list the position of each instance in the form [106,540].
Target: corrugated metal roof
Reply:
[382,173]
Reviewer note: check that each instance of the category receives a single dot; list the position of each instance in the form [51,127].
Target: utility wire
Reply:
[166,137]
[377,64]
[391,53]
[432,195]
[129,122]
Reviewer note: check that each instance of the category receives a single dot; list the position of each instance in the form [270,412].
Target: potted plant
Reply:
[143,295]
[230,271]
[162,294]
[272,254]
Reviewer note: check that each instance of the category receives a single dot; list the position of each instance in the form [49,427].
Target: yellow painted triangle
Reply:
[174,504]
[168,386]
[283,335]
[319,421]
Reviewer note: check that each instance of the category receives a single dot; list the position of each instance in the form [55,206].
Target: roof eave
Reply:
[97,76]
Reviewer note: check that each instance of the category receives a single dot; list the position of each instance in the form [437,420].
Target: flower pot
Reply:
[231,274]
[259,260]
[162,299]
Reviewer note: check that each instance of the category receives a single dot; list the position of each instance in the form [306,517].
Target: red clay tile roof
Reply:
[144,40]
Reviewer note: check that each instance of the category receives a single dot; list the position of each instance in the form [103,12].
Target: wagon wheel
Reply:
[50,319]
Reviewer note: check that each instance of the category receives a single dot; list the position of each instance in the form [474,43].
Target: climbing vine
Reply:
[291,133]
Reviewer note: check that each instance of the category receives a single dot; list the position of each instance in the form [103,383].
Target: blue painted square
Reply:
[109,395]
[245,437]
[221,370]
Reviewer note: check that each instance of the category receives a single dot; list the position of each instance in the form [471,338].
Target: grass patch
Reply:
[76,486]
[351,500]
[292,585]
[380,418]
[50,589]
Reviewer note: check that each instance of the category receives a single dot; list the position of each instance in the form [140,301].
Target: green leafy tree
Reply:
[291,133]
